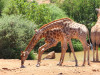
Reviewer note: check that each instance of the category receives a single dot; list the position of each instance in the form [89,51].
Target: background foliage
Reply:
[15,33]
[19,18]
[82,11]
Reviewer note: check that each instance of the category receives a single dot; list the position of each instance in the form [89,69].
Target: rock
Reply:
[60,74]
[50,55]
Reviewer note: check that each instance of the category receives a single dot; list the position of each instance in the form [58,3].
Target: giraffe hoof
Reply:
[83,65]
[76,65]
[22,66]
[89,64]
[93,60]
[97,60]
[37,65]
[59,64]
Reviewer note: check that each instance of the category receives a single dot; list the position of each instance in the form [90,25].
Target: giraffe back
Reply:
[75,30]
[56,22]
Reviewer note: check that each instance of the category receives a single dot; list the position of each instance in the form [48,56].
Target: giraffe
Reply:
[69,28]
[95,36]
[52,37]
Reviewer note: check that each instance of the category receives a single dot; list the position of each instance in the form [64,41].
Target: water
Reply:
[79,56]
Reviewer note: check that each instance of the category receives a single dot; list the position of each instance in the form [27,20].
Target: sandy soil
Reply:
[48,67]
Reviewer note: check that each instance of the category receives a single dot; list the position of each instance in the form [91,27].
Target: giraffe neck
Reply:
[33,42]
[98,20]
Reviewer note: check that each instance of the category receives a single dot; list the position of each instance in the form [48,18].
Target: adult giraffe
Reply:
[69,28]
[95,36]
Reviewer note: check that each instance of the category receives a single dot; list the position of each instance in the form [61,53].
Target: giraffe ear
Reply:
[35,30]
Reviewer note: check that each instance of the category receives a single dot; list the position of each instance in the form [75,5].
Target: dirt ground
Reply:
[48,67]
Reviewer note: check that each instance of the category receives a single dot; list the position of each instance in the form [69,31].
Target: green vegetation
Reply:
[56,12]
[19,18]
[82,11]
[40,14]
[15,34]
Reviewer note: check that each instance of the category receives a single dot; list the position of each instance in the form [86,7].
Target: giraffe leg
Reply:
[62,57]
[88,48]
[84,57]
[72,49]
[63,48]
[84,43]
[97,59]
[93,52]
[42,49]
[39,54]
[93,39]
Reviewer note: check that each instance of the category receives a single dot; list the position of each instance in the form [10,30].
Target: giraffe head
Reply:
[24,55]
[98,10]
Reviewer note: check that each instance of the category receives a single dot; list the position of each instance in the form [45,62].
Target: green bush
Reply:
[57,2]
[82,11]
[31,55]
[77,45]
[1,6]
[40,14]
[15,34]
[56,12]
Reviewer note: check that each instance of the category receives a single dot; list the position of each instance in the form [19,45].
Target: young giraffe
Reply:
[69,28]
[95,36]
[52,37]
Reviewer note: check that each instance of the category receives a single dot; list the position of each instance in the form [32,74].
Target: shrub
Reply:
[56,12]
[15,34]
[40,14]
[1,6]
[58,2]
[82,11]
[77,45]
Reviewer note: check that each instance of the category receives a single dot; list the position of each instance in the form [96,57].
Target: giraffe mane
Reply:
[54,21]
[30,42]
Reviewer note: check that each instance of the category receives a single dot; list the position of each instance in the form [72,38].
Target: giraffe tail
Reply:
[90,44]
